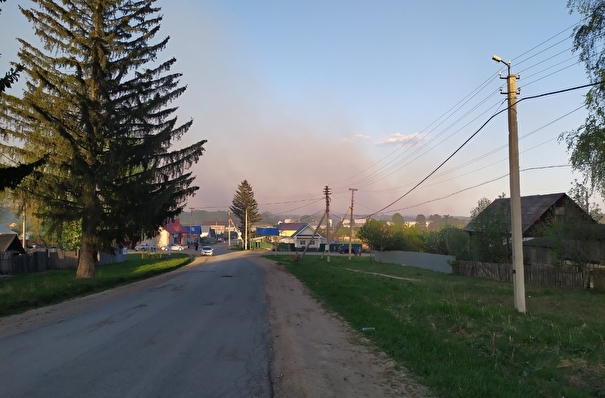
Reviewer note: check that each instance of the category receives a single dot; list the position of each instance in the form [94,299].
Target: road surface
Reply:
[202,333]
[231,325]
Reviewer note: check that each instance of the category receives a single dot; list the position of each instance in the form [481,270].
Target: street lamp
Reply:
[515,195]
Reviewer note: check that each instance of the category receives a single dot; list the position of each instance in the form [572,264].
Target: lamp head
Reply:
[497,58]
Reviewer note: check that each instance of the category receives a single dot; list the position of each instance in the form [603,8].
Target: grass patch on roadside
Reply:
[462,337]
[21,292]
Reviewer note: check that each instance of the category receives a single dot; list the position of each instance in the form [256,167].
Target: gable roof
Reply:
[9,240]
[291,226]
[306,231]
[534,209]
[175,228]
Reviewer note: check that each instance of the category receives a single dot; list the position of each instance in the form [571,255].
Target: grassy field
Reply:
[21,292]
[462,337]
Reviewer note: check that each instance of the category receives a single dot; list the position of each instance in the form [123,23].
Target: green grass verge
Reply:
[462,337]
[21,292]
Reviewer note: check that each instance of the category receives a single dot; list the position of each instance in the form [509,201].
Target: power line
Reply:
[477,132]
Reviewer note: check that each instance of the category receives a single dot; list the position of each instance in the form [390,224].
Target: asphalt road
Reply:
[203,333]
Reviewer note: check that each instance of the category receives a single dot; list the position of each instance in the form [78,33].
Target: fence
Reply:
[43,260]
[433,262]
[566,277]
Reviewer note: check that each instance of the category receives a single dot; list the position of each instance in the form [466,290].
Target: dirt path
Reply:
[314,354]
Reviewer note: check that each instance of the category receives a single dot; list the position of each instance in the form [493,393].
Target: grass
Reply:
[461,336]
[21,292]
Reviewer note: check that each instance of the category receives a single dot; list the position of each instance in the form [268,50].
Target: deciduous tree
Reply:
[420,223]
[490,231]
[375,234]
[581,194]
[587,143]
[398,219]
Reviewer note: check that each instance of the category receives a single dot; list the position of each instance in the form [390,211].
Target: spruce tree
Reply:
[245,207]
[97,95]
[11,76]
[11,176]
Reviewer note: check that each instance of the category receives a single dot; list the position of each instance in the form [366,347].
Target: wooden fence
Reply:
[43,260]
[566,277]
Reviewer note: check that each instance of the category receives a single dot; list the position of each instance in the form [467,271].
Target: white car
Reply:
[206,251]
[144,247]
[175,247]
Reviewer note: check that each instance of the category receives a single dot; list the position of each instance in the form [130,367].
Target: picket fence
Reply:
[565,277]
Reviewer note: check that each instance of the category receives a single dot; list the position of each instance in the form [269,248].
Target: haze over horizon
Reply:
[373,96]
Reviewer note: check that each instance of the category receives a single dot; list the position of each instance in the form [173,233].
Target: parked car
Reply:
[175,247]
[206,251]
[342,249]
[144,247]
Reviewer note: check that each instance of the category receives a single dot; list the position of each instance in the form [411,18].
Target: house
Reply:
[535,211]
[173,232]
[288,229]
[213,229]
[582,237]
[302,235]
[9,241]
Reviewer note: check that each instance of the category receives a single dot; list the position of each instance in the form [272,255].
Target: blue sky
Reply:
[293,96]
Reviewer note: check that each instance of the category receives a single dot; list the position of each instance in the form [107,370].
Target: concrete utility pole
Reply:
[515,190]
[351,222]
[327,193]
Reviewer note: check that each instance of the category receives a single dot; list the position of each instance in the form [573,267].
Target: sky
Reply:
[294,96]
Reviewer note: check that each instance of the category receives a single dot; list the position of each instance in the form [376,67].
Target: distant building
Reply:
[302,235]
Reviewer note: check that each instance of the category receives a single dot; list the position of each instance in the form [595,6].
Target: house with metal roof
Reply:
[301,235]
[582,233]
[535,210]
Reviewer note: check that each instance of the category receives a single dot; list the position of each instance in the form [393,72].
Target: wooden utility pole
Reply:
[351,222]
[515,190]
[327,193]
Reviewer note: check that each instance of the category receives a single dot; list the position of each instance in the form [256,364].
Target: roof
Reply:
[9,240]
[533,209]
[175,228]
[6,230]
[306,231]
[291,226]
[215,223]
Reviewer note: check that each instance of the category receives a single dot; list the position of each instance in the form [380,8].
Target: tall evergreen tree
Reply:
[245,207]
[98,96]
[11,176]
[11,76]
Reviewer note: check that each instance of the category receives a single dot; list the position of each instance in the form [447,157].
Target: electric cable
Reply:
[477,132]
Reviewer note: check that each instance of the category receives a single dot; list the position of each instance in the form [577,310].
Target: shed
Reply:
[9,241]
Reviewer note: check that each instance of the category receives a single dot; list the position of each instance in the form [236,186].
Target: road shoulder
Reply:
[316,354]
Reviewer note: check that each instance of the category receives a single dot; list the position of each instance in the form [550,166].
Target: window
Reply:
[302,242]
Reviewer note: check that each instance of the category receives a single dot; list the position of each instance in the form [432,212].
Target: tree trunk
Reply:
[86,260]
